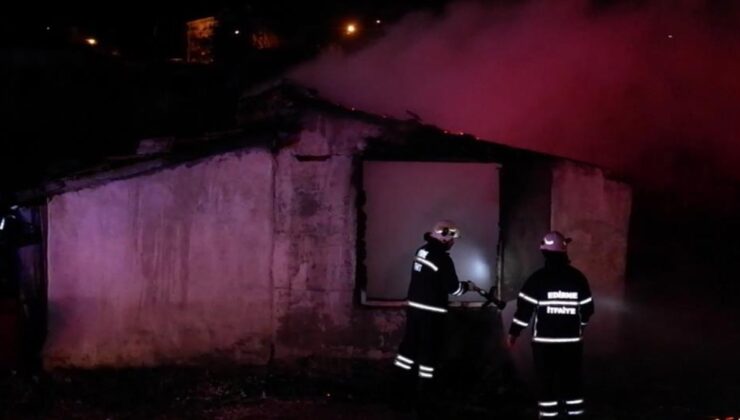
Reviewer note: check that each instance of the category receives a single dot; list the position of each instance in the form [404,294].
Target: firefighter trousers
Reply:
[419,350]
[558,370]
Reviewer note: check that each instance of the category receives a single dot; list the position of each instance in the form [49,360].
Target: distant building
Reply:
[200,37]
[264,40]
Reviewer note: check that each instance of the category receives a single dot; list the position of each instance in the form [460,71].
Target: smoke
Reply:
[650,91]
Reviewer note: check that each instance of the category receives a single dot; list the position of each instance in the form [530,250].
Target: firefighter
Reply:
[433,278]
[557,301]
[10,227]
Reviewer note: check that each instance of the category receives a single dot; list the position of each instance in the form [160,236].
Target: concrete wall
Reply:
[595,212]
[316,310]
[243,257]
[165,267]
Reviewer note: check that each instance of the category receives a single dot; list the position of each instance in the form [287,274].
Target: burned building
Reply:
[291,237]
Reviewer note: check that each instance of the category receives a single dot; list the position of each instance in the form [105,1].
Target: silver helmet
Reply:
[555,242]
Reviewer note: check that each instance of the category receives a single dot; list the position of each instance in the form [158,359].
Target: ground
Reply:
[357,393]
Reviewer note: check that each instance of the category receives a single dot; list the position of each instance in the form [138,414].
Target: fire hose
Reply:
[491,298]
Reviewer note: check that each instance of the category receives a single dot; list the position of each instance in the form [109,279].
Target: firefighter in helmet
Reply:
[433,279]
[557,301]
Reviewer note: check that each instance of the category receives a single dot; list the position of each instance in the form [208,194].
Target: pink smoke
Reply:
[649,91]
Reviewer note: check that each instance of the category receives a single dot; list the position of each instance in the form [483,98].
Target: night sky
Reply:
[143,28]
[80,102]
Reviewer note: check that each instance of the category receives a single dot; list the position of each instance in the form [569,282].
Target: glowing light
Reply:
[91,41]
[480,268]
[670,36]
[378,21]
[350,29]
[237,32]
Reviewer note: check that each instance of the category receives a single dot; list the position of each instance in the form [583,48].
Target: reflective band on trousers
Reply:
[548,414]
[426,375]
[427,263]
[426,368]
[404,359]
[574,402]
[556,340]
[427,307]
[402,365]
[576,413]
[548,403]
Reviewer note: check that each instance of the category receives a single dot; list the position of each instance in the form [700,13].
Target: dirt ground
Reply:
[356,393]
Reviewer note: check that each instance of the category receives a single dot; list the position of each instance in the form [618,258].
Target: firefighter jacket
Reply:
[433,277]
[557,299]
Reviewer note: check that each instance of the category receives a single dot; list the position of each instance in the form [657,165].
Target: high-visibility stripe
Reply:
[522,323]
[427,263]
[427,307]
[528,298]
[426,368]
[422,253]
[426,375]
[585,301]
[576,413]
[548,403]
[405,359]
[2,223]
[583,324]
[402,365]
[559,302]
[459,290]
[548,414]
[556,340]
[574,402]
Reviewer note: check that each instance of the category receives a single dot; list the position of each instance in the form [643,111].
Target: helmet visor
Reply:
[448,232]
